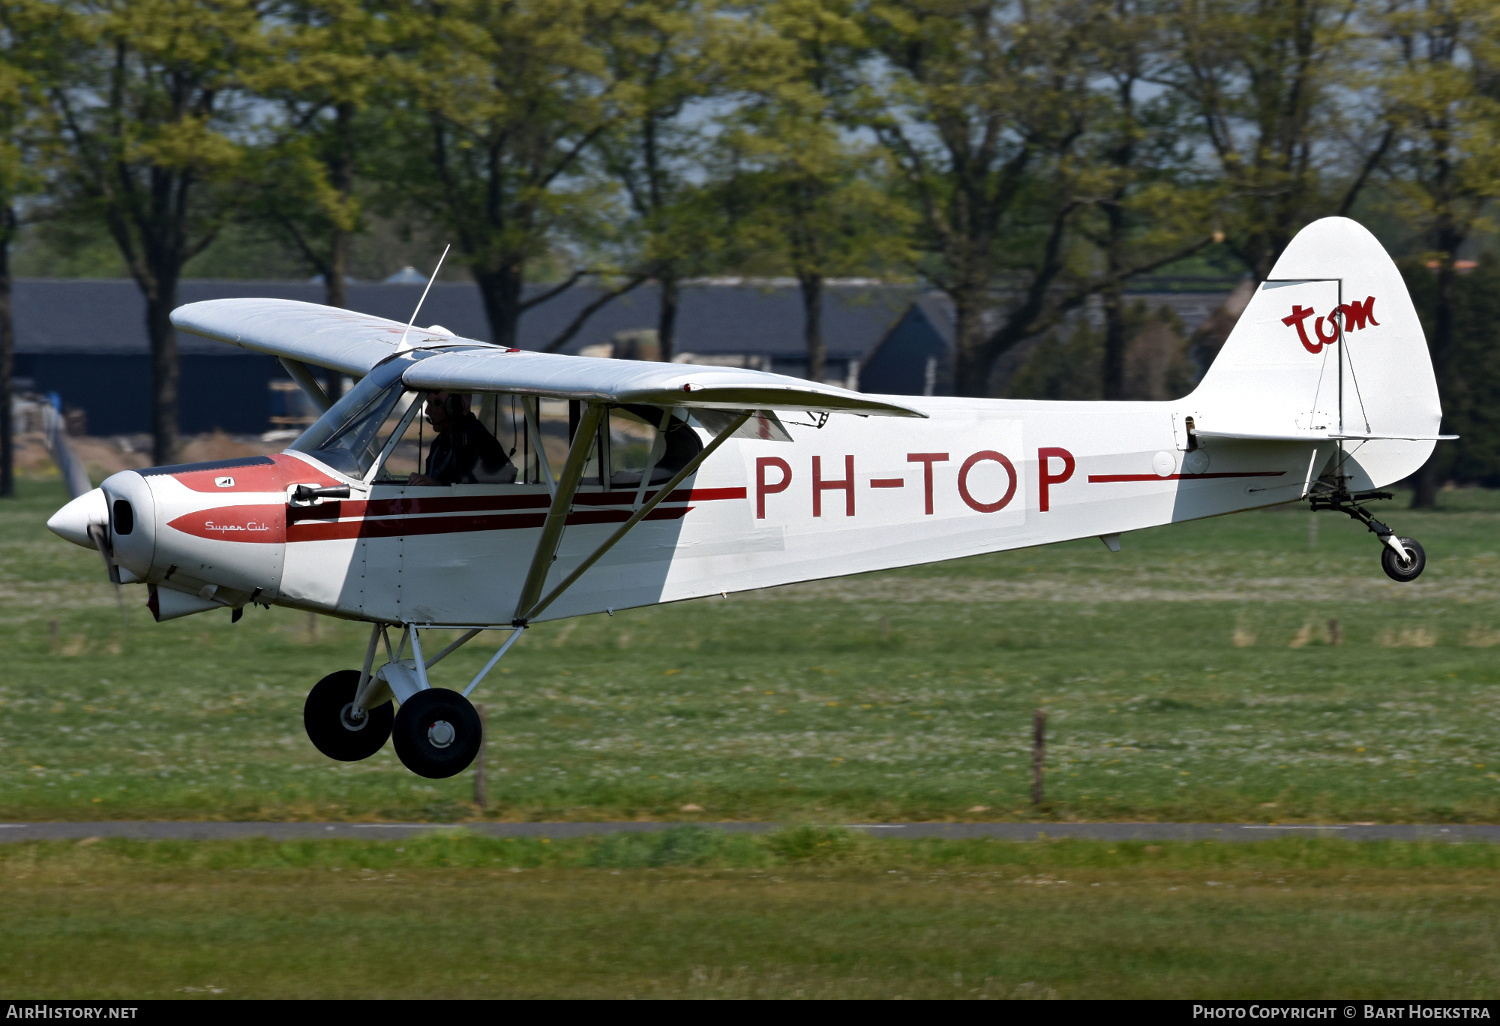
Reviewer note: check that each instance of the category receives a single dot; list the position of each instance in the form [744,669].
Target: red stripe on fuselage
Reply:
[414,505]
[408,526]
[1113,478]
[389,518]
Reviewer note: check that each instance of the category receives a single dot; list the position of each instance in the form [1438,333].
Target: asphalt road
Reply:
[179,831]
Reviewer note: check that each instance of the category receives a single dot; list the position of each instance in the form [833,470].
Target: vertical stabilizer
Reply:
[1329,345]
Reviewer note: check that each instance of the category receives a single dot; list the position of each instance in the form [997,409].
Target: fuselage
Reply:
[854,495]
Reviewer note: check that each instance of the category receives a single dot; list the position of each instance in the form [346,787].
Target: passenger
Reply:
[463,451]
[673,450]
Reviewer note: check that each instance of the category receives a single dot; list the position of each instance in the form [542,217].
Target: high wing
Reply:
[633,381]
[352,343]
[324,336]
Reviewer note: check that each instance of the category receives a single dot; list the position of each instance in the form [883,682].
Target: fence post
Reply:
[481,795]
[1038,753]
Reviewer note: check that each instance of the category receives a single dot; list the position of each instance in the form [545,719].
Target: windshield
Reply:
[347,437]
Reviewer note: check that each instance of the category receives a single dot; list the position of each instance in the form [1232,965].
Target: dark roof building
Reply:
[915,356]
[86,339]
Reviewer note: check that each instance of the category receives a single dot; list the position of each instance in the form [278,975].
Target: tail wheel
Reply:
[437,733]
[336,728]
[1403,570]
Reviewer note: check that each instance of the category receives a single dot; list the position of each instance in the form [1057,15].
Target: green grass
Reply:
[802,913]
[1187,677]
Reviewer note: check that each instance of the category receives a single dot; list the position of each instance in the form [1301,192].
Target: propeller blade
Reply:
[100,537]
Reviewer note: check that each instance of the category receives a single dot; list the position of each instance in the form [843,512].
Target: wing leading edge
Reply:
[353,343]
[323,336]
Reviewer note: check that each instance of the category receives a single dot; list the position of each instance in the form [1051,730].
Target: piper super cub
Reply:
[683,481]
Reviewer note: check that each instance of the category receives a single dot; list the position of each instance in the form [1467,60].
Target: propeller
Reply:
[85,522]
[99,535]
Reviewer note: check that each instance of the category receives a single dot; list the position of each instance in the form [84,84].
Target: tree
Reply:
[1471,394]
[27,47]
[1267,83]
[805,191]
[1441,92]
[327,72]
[504,101]
[979,106]
[1130,171]
[148,119]
[663,55]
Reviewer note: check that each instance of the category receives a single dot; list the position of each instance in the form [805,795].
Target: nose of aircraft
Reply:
[73,520]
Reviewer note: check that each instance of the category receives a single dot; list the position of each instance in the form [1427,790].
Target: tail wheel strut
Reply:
[1402,559]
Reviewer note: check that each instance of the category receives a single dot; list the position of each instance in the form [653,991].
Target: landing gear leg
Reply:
[1402,559]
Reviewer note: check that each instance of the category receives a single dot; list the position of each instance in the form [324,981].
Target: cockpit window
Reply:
[452,439]
[348,437]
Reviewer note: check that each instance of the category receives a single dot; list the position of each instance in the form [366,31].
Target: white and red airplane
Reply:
[1323,392]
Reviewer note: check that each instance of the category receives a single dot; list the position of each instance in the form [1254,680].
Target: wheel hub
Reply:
[352,717]
[441,734]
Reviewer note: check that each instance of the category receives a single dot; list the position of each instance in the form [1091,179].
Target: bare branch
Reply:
[588,311]
[1370,164]
[555,291]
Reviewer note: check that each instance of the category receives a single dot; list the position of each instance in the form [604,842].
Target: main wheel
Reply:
[437,733]
[1398,569]
[332,724]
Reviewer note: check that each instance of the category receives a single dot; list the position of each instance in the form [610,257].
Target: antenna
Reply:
[402,347]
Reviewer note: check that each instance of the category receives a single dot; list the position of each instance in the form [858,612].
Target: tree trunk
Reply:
[341,177]
[501,291]
[1424,496]
[7,360]
[812,326]
[165,371]
[1114,342]
[666,317]
[971,367]
[334,293]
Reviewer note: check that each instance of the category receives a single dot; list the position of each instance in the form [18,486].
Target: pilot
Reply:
[463,451]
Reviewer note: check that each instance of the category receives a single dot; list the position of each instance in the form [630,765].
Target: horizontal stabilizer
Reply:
[1318,436]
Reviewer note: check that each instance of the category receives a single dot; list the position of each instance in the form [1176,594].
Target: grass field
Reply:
[806,912]
[1190,676]
[1193,675]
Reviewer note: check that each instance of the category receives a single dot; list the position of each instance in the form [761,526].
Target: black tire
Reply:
[1401,570]
[333,731]
[437,733]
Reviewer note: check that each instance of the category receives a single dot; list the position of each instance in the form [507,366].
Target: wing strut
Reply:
[584,440]
[526,610]
[305,381]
